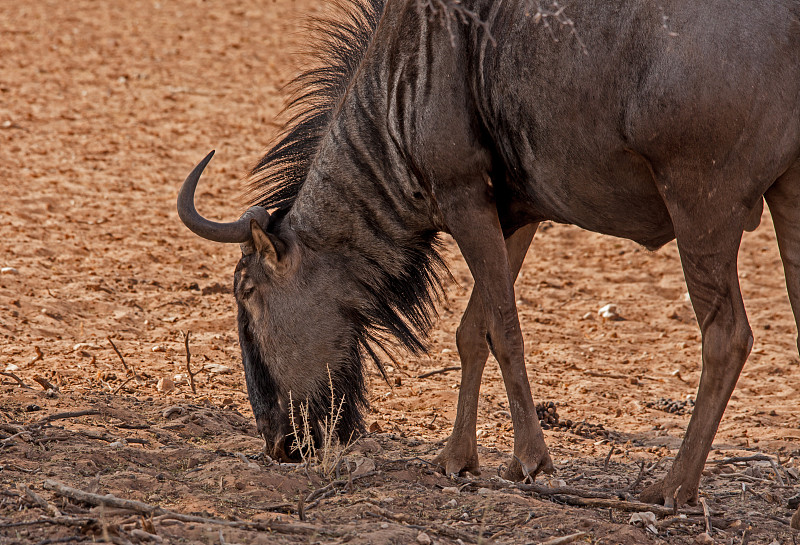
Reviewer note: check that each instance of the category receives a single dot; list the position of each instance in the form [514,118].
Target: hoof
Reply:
[670,495]
[456,461]
[519,471]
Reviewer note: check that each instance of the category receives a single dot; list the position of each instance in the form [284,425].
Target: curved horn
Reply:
[237,231]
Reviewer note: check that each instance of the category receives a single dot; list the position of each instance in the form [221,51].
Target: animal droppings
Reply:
[671,406]
[549,420]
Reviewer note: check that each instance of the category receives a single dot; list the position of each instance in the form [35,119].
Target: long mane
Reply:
[399,306]
[342,40]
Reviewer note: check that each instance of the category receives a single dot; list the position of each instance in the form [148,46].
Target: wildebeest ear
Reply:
[265,244]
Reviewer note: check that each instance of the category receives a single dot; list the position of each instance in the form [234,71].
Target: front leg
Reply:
[461,452]
[471,217]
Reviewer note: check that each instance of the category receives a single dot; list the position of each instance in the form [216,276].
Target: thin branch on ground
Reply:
[707,517]
[440,529]
[9,374]
[319,492]
[40,501]
[163,514]
[564,540]
[119,355]
[63,521]
[44,383]
[608,458]
[632,487]
[39,355]
[737,459]
[186,335]
[439,371]
[66,415]
[126,381]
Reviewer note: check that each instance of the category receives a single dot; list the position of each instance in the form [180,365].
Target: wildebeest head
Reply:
[299,346]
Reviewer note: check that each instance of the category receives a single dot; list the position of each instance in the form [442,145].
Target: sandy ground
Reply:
[104,108]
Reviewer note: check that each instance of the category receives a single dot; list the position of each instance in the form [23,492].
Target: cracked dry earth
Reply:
[104,108]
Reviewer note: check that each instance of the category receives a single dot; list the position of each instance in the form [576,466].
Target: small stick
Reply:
[156,511]
[38,356]
[334,484]
[608,458]
[40,501]
[10,439]
[735,459]
[44,383]
[441,529]
[707,517]
[118,388]
[439,371]
[188,361]
[63,416]
[66,521]
[564,539]
[114,346]
[15,377]
[777,473]
[632,487]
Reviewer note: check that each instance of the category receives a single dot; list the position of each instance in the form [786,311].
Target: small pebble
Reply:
[158,348]
[10,368]
[609,312]
[424,539]
[704,539]
[484,491]
[165,385]
[9,270]
[451,503]
[450,490]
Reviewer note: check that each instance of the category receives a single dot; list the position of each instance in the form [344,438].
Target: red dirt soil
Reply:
[104,109]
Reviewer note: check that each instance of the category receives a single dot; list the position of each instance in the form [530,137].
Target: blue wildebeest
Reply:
[665,121]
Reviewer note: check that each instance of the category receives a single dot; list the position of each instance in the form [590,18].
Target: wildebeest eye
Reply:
[247,291]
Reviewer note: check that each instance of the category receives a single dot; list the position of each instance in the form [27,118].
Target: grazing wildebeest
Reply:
[673,122]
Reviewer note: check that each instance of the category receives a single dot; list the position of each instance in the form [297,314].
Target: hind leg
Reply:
[461,452]
[784,204]
[708,242]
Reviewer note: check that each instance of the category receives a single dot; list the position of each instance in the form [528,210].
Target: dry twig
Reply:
[119,354]
[40,501]
[186,335]
[155,511]
[563,540]
[39,355]
[64,416]
[440,529]
[439,371]
[44,383]
[707,517]
[9,374]
[64,521]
